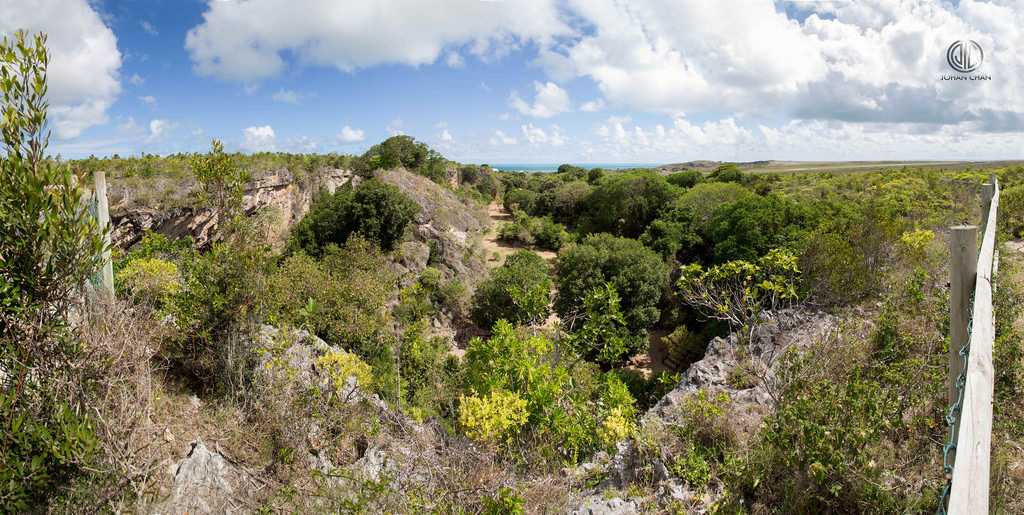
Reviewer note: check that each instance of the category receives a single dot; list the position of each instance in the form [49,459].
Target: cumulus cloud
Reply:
[84,73]
[157,128]
[550,100]
[258,139]
[350,135]
[592,106]
[538,136]
[247,41]
[446,136]
[500,138]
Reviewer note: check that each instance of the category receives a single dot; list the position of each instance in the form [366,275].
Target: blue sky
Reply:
[533,80]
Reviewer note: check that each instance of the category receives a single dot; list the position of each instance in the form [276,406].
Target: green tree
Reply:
[623,204]
[49,246]
[637,273]
[402,151]
[673,234]
[685,179]
[221,183]
[518,291]
[749,227]
[604,337]
[377,210]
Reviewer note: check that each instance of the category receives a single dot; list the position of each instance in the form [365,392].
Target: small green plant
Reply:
[492,418]
[151,280]
[340,366]
[518,291]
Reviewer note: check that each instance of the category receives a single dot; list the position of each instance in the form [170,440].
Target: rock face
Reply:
[204,482]
[289,196]
[446,229]
[598,505]
[750,400]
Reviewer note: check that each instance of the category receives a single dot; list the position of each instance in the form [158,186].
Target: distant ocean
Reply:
[551,167]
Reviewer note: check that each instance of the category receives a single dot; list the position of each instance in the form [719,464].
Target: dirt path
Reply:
[497,250]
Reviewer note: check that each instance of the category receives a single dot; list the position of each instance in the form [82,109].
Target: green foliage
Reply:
[636,272]
[604,337]
[49,246]
[623,204]
[1011,211]
[703,199]
[219,304]
[568,201]
[492,418]
[340,366]
[403,151]
[542,232]
[376,210]
[482,179]
[40,453]
[706,438]
[572,410]
[520,199]
[740,291]
[673,234]
[518,291]
[749,227]
[685,179]
[152,280]
[728,172]
[507,502]
[221,183]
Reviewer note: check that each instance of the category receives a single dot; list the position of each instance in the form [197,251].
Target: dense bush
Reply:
[528,230]
[604,337]
[520,199]
[686,179]
[703,199]
[749,227]
[481,179]
[376,210]
[49,246]
[1011,211]
[518,291]
[568,200]
[623,204]
[636,272]
[151,280]
[403,151]
[674,235]
[572,410]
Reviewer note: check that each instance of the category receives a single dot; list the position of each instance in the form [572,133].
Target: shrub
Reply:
[749,227]
[402,151]
[636,273]
[1011,211]
[518,291]
[623,204]
[568,201]
[376,210]
[703,199]
[673,234]
[220,182]
[528,230]
[154,281]
[727,173]
[685,179]
[739,292]
[604,337]
[521,199]
[340,366]
[492,418]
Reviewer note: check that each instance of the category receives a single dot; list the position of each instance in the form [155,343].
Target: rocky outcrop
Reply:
[598,505]
[446,230]
[204,482]
[750,398]
[288,196]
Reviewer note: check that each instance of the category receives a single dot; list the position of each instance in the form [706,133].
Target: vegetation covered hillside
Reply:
[703,341]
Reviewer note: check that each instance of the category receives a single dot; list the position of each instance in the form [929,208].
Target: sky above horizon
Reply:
[529,81]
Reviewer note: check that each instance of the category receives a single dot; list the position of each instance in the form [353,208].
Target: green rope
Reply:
[953,416]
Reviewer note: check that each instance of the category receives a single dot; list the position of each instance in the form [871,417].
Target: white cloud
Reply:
[149,100]
[537,136]
[350,135]
[136,80]
[454,60]
[258,139]
[246,41]
[592,106]
[157,129]
[85,62]
[500,138]
[446,136]
[286,96]
[395,127]
[149,28]
[550,101]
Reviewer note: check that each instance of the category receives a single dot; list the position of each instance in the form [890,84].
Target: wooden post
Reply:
[963,268]
[103,220]
[988,189]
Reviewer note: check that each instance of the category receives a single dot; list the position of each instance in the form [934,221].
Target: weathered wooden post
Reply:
[103,220]
[963,269]
[988,190]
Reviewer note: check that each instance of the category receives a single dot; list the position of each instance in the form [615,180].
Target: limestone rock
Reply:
[204,482]
[598,505]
